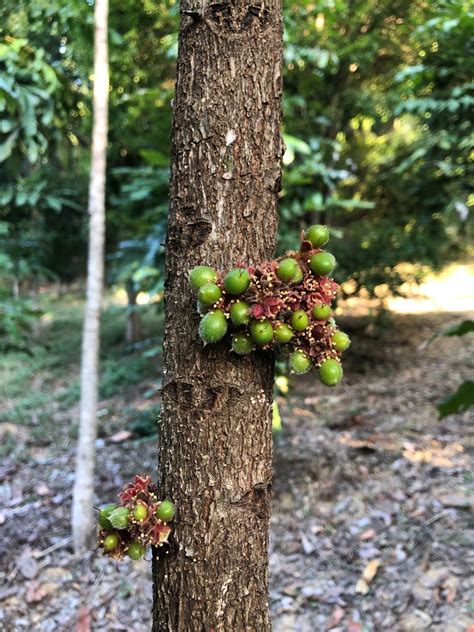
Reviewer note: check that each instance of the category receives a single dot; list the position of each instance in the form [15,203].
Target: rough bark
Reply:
[83,493]
[215,433]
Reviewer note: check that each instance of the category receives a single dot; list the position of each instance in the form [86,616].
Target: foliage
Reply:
[378,107]
[463,398]
[459,402]
[387,135]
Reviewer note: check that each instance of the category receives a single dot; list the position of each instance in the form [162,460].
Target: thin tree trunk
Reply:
[83,494]
[132,332]
[215,433]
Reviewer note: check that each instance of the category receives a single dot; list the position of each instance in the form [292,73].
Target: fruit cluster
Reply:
[138,520]
[285,303]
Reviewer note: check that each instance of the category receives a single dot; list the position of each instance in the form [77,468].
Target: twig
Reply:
[53,547]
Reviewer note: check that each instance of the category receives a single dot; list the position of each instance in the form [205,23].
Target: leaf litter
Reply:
[369,487]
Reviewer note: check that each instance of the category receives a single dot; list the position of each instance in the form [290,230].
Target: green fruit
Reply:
[299,362]
[298,275]
[111,542]
[283,334]
[322,263]
[322,312]
[330,372]
[340,341]
[242,344]
[261,331]
[120,518]
[287,269]
[165,511]
[104,514]
[213,326]
[237,281]
[140,512]
[239,313]
[318,235]
[299,320]
[136,550]
[200,275]
[209,294]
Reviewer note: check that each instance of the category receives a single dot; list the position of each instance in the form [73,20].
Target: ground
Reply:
[372,525]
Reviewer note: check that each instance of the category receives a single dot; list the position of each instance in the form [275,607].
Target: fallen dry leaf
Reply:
[42,489]
[336,617]
[83,620]
[354,626]
[120,436]
[34,592]
[370,571]
[446,591]
[368,534]
[302,412]
[459,501]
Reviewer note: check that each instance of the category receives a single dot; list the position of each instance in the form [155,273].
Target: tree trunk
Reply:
[132,333]
[83,493]
[215,433]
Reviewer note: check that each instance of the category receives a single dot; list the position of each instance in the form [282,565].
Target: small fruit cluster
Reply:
[284,303]
[140,519]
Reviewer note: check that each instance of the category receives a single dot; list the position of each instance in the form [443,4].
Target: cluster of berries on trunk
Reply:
[285,303]
[139,520]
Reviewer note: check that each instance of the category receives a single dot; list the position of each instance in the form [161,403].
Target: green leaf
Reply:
[296,144]
[6,125]
[155,158]
[460,401]
[350,204]
[462,328]
[120,518]
[7,146]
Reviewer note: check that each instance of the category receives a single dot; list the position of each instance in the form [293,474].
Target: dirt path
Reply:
[366,478]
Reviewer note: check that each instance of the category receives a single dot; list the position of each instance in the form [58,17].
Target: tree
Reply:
[82,519]
[215,431]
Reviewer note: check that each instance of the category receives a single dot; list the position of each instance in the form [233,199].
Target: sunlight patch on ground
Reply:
[450,291]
